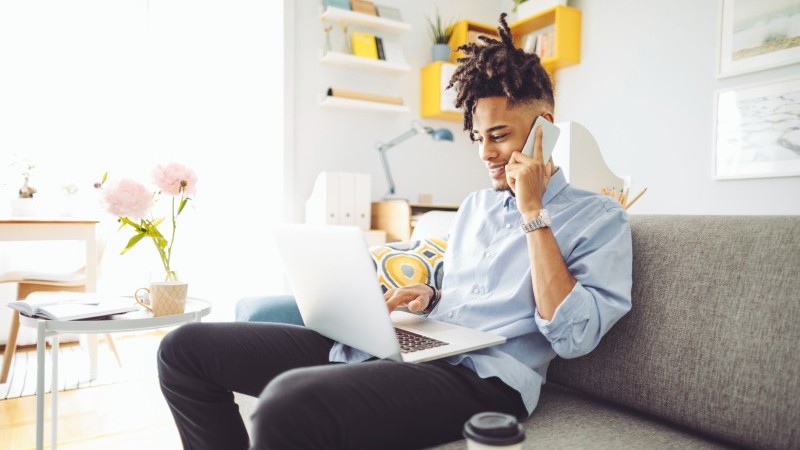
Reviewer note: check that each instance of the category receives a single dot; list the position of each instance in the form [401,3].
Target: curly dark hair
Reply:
[498,68]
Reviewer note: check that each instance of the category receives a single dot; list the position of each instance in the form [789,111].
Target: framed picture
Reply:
[757,131]
[757,35]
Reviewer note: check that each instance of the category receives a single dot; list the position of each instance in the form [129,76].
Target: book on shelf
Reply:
[72,305]
[341,4]
[379,44]
[364,6]
[364,45]
[540,42]
[388,12]
[356,95]
[393,50]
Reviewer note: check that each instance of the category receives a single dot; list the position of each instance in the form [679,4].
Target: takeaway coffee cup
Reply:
[163,298]
[493,431]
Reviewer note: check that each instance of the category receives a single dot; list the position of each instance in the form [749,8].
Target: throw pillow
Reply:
[403,263]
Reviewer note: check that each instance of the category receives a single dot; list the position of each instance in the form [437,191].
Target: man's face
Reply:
[501,130]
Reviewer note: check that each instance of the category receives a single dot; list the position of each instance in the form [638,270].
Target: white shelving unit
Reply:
[343,59]
[377,25]
[348,103]
[332,14]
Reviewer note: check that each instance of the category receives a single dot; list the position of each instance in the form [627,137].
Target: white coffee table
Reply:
[196,309]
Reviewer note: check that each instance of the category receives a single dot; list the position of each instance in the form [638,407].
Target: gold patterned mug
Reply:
[164,298]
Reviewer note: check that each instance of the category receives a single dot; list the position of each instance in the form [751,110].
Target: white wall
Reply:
[645,88]
[344,140]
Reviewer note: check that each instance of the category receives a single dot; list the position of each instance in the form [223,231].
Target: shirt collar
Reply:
[556,184]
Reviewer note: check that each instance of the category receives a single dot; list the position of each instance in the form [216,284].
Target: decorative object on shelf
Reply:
[364,45]
[341,4]
[440,35]
[364,7]
[328,29]
[132,203]
[527,8]
[756,132]
[441,134]
[347,47]
[388,12]
[757,35]
[366,96]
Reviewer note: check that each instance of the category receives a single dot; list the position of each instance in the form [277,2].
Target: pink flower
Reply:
[171,177]
[128,198]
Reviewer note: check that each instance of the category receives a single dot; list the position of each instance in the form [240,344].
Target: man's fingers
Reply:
[388,294]
[416,305]
[537,145]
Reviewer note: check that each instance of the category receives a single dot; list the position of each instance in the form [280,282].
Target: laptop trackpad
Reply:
[419,323]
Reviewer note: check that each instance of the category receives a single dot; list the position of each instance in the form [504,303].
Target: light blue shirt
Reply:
[487,283]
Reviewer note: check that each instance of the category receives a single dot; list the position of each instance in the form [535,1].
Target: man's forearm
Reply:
[551,279]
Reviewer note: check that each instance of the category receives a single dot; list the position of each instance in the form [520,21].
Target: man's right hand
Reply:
[416,297]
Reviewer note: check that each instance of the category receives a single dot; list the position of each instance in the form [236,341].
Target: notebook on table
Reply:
[338,295]
[72,305]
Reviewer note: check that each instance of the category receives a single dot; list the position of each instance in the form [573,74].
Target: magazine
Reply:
[72,305]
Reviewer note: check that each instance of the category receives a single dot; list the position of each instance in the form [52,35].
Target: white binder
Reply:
[340,198]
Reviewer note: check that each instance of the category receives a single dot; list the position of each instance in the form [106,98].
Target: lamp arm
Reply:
[383,148]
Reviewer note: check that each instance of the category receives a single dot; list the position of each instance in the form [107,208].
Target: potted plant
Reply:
[440,34]
[526,8]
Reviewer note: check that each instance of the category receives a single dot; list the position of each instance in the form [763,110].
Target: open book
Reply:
[72,305]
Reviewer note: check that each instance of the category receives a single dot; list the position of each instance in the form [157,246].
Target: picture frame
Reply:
[757,131]
[757,35]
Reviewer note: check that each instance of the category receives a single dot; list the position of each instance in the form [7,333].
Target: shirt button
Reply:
[508,225]
[476,291]
[487,254]
[450,314]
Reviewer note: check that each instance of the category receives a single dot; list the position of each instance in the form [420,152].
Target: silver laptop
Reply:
[337,292]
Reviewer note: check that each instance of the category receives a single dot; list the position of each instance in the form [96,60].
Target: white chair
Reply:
[29,282]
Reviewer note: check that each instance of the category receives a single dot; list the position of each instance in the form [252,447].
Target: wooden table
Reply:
[58,229]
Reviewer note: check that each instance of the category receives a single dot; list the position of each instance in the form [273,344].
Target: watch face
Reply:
[545,216]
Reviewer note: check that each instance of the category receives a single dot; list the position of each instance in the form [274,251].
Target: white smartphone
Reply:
[550,135]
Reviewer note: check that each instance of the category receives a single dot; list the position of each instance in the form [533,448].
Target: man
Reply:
[550,290]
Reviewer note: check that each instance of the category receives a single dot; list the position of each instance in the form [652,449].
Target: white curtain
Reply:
[88,86]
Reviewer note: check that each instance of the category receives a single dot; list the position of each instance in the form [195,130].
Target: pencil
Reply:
[635,198]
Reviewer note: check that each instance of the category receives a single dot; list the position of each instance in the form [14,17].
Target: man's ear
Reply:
[549,116]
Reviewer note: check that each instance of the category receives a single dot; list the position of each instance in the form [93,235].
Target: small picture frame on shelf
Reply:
[757,35]
[756,134]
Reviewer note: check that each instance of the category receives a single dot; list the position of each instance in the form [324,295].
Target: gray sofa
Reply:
[709,356]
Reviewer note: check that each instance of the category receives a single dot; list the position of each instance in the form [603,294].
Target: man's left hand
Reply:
[528,177]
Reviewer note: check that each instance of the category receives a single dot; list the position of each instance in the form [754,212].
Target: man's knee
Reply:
[176,345]
[286,408]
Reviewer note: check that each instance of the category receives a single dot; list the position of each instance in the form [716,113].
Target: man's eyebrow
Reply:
[494,128]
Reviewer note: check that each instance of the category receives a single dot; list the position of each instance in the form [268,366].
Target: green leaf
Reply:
[133,241]
[105,176]
[158,222]
[183,204]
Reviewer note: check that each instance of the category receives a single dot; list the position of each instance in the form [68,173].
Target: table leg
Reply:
[40,346]
[54,397]
[92,340]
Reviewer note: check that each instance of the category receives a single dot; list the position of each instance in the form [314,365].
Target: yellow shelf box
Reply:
[438,103]
[565,23]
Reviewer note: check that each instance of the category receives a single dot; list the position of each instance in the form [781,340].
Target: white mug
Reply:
[165,298]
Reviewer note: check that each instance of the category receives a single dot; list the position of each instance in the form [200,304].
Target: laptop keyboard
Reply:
[413,342]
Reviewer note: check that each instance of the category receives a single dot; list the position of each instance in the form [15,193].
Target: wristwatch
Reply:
[543,220]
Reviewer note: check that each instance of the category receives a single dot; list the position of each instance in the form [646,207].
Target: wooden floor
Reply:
[131,415]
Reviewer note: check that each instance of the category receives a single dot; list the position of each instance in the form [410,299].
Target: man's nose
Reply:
[487,151]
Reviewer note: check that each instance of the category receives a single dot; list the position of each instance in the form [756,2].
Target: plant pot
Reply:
[533,7]
[440,52]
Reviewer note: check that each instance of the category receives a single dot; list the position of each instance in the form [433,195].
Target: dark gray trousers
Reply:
[305,401]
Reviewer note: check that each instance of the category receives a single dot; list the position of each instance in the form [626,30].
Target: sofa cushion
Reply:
[711,341]
[404,263]
[565,419]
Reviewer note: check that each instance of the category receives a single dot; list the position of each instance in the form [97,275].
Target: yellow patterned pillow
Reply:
[404,263]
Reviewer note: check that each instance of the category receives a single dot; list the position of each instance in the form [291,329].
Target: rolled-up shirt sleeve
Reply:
[601,262]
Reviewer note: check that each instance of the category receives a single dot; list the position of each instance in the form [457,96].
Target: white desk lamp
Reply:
[441,134]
